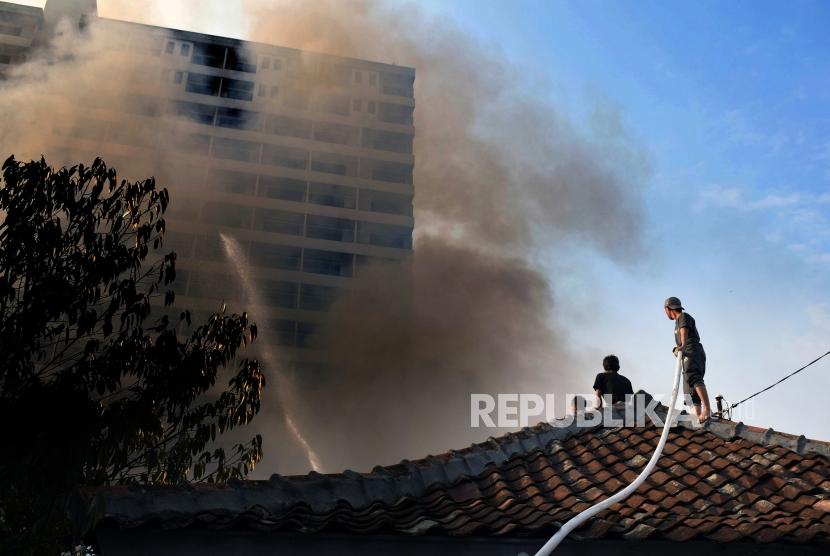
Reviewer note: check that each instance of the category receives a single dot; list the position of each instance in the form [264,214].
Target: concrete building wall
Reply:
[19,26]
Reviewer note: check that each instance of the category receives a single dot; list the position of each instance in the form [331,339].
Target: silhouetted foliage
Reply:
[93,389]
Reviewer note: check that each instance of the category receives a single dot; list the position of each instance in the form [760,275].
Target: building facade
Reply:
[304,159]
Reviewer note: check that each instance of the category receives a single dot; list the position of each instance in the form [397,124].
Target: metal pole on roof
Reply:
[585,515]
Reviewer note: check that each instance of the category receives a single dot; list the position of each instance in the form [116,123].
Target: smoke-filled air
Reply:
[502,181]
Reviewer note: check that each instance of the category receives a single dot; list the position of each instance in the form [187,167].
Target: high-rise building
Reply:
[305,159]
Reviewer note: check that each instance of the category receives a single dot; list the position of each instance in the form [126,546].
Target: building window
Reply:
[234,149]
[236,118]
[387,141]
[295,99]
[226,181]
[206,54]
[211,286]
[382,170]
[279,294]
[395,113]
[185,50]
[330,263]
[358,77]
[193,111]
[203,84]
[266,63]
[373,79]
[209,248]
[169,47]
[397,84]
[237,89]
[308,334]
[276,64]
[286,157]
[317,298]
[332,229]
[222,214]
[389,203]
[356,105]
[281,331]
[332,195]
[334,104]
[11,30]
[331,163]
[261,90]
[371,107]
[191,143]
[240,59]
[336,133]
[274,91]
[282,257]
[286,189]
[178,77]
[179,242]
[384,235]
[280,221]
[288,127]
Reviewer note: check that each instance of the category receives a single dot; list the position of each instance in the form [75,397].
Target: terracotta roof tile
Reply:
[724,483]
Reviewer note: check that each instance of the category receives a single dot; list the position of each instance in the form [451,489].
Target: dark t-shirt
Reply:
[693,345]
[612,382]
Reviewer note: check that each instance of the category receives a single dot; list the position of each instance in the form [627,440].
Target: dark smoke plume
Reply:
[500,174]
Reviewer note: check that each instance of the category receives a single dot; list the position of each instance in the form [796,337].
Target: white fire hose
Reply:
[585,515]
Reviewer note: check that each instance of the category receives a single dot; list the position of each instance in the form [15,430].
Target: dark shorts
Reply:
[694,367]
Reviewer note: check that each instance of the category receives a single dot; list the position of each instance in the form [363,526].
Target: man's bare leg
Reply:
[703,394]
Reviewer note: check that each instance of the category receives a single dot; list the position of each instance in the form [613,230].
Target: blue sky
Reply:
[731,103]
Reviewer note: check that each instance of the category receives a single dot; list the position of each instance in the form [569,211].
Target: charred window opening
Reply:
[237,89]
[203,84]
[193,111]
[240,59]
[237,118]
[205,54]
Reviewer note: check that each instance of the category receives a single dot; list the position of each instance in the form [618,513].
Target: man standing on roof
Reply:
[687,342]
[611,382]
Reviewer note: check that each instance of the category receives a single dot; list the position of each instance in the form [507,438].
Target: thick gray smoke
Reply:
[500,176]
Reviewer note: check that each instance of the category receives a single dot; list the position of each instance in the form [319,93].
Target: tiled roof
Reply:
[726,482]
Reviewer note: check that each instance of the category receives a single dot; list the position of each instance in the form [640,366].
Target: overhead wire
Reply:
[816,360]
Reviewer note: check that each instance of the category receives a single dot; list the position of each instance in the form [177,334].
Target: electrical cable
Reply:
[816,360]
[583,516]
